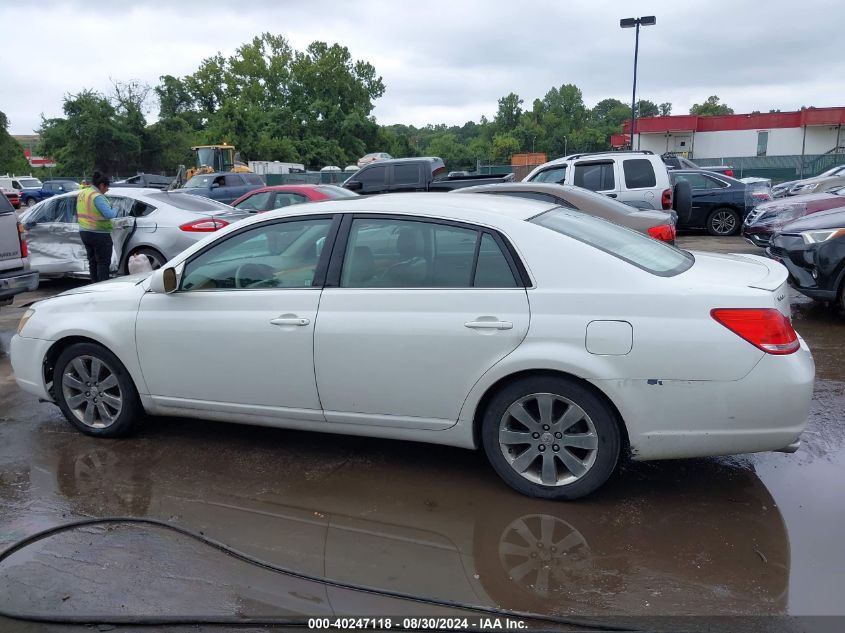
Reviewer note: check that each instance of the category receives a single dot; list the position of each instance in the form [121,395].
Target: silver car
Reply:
[158,224]
[658,224]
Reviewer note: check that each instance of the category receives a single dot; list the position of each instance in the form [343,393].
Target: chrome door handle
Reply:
[489,325]
[290,321]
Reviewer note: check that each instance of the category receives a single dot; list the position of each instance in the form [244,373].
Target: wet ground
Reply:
[749,535]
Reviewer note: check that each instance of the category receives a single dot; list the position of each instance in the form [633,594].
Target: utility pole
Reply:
[627,23]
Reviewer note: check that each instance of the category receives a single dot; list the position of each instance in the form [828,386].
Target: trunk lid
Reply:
[731,269]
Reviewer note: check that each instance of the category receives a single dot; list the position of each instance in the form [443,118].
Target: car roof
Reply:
[405,160]
[469,207]
[599,155]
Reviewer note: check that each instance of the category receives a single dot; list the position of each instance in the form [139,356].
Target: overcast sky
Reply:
[443,62]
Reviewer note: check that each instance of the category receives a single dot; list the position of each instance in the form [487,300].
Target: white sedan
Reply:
[554,340]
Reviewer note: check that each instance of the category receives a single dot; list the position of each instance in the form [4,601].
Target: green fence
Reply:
[777,168]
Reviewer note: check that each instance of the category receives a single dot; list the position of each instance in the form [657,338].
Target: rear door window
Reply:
[639,173]
[406,174]
[233,180]
[595,176]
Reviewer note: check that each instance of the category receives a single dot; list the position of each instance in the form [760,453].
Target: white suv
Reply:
[638,178]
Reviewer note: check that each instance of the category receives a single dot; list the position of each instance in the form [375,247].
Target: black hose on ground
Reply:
[234,621]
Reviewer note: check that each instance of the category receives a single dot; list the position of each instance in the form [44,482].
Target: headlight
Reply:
[816,237]
[26,317]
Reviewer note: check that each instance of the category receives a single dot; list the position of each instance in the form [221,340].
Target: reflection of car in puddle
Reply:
[539,551]
[650,545]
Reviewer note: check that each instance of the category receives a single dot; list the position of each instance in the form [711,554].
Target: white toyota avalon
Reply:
[556,341]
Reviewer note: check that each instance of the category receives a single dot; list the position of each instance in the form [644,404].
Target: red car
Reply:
[276,197]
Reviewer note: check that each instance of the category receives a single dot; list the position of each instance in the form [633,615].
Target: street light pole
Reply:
[627,23]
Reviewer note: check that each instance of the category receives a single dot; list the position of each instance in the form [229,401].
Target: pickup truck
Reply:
[679,162]
[49,188]
[149,181]
[412,174]
[225,187]
[15,274]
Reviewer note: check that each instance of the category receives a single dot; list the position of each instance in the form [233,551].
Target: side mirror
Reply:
[164,281]
[215,185]
[354,185]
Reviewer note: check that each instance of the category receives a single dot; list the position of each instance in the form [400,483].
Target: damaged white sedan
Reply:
[554,340]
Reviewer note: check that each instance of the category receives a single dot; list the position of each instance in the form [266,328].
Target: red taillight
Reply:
[729,172]
[204,226]
[666,199]
[664,232]
[765,328]
[24,248]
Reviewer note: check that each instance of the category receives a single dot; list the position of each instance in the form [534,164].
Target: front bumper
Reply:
[757,239]
[27,356]
[814,269]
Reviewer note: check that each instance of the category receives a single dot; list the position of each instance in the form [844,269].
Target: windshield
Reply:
[199,182]
[635,248]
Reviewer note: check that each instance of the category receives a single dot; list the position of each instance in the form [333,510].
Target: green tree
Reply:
[504,146]
[455,154]
[509,113]
[710,107]
[92,135]
[665,108]
[12,159]
[647,108]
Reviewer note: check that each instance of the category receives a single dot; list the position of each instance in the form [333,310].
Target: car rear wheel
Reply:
[157,260]
[30,202]
[723,221]
[551,437]
[94,391]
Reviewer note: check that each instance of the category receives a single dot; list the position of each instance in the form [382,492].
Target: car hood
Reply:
[116,284]
[729,269]
[830,219]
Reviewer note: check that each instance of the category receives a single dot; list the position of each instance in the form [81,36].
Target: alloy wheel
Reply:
[92,391]
[548,439]
[723,222]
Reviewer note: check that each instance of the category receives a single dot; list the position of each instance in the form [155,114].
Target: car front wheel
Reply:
[551,437]
[94,391]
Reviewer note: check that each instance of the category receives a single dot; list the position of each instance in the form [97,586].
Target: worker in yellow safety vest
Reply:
[94,214]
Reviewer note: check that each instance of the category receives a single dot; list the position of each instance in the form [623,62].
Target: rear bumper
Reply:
[764,411]
[15,283]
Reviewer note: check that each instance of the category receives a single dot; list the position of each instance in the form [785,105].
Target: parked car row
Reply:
[833,178]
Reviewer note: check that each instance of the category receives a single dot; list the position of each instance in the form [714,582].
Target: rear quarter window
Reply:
[595,176]
[639,173]
[630,246]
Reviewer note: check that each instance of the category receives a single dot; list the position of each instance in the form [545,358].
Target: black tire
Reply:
[600,461]
[30,202]
[100,399]
[682,202]
[723,221]
[157,260]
